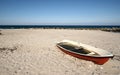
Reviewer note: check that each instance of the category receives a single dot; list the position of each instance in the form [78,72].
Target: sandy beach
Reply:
[34,52]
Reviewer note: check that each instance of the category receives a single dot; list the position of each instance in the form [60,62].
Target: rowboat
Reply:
[83,51]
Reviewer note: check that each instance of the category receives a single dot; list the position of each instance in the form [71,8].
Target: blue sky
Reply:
[60,12]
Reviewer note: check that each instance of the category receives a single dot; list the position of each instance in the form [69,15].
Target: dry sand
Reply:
[34,52]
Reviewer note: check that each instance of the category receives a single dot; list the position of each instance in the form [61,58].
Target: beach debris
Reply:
[0,32]
[111,29]
[8,49]
[90,66]
[101,67]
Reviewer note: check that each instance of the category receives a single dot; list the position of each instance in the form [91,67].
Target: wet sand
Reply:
[34,52]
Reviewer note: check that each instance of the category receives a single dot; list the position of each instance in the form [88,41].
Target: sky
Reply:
[65,12]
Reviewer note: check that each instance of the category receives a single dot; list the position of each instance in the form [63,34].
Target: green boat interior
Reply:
[77,49]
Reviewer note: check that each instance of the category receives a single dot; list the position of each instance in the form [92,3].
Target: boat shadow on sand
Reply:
[116,57]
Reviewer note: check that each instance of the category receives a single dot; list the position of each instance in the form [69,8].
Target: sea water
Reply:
[57,26]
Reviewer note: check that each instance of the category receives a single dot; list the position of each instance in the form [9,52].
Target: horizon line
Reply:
[66,24]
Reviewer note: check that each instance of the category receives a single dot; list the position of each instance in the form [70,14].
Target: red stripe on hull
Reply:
[97,60]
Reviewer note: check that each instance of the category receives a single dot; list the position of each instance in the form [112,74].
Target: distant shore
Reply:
[108,28]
